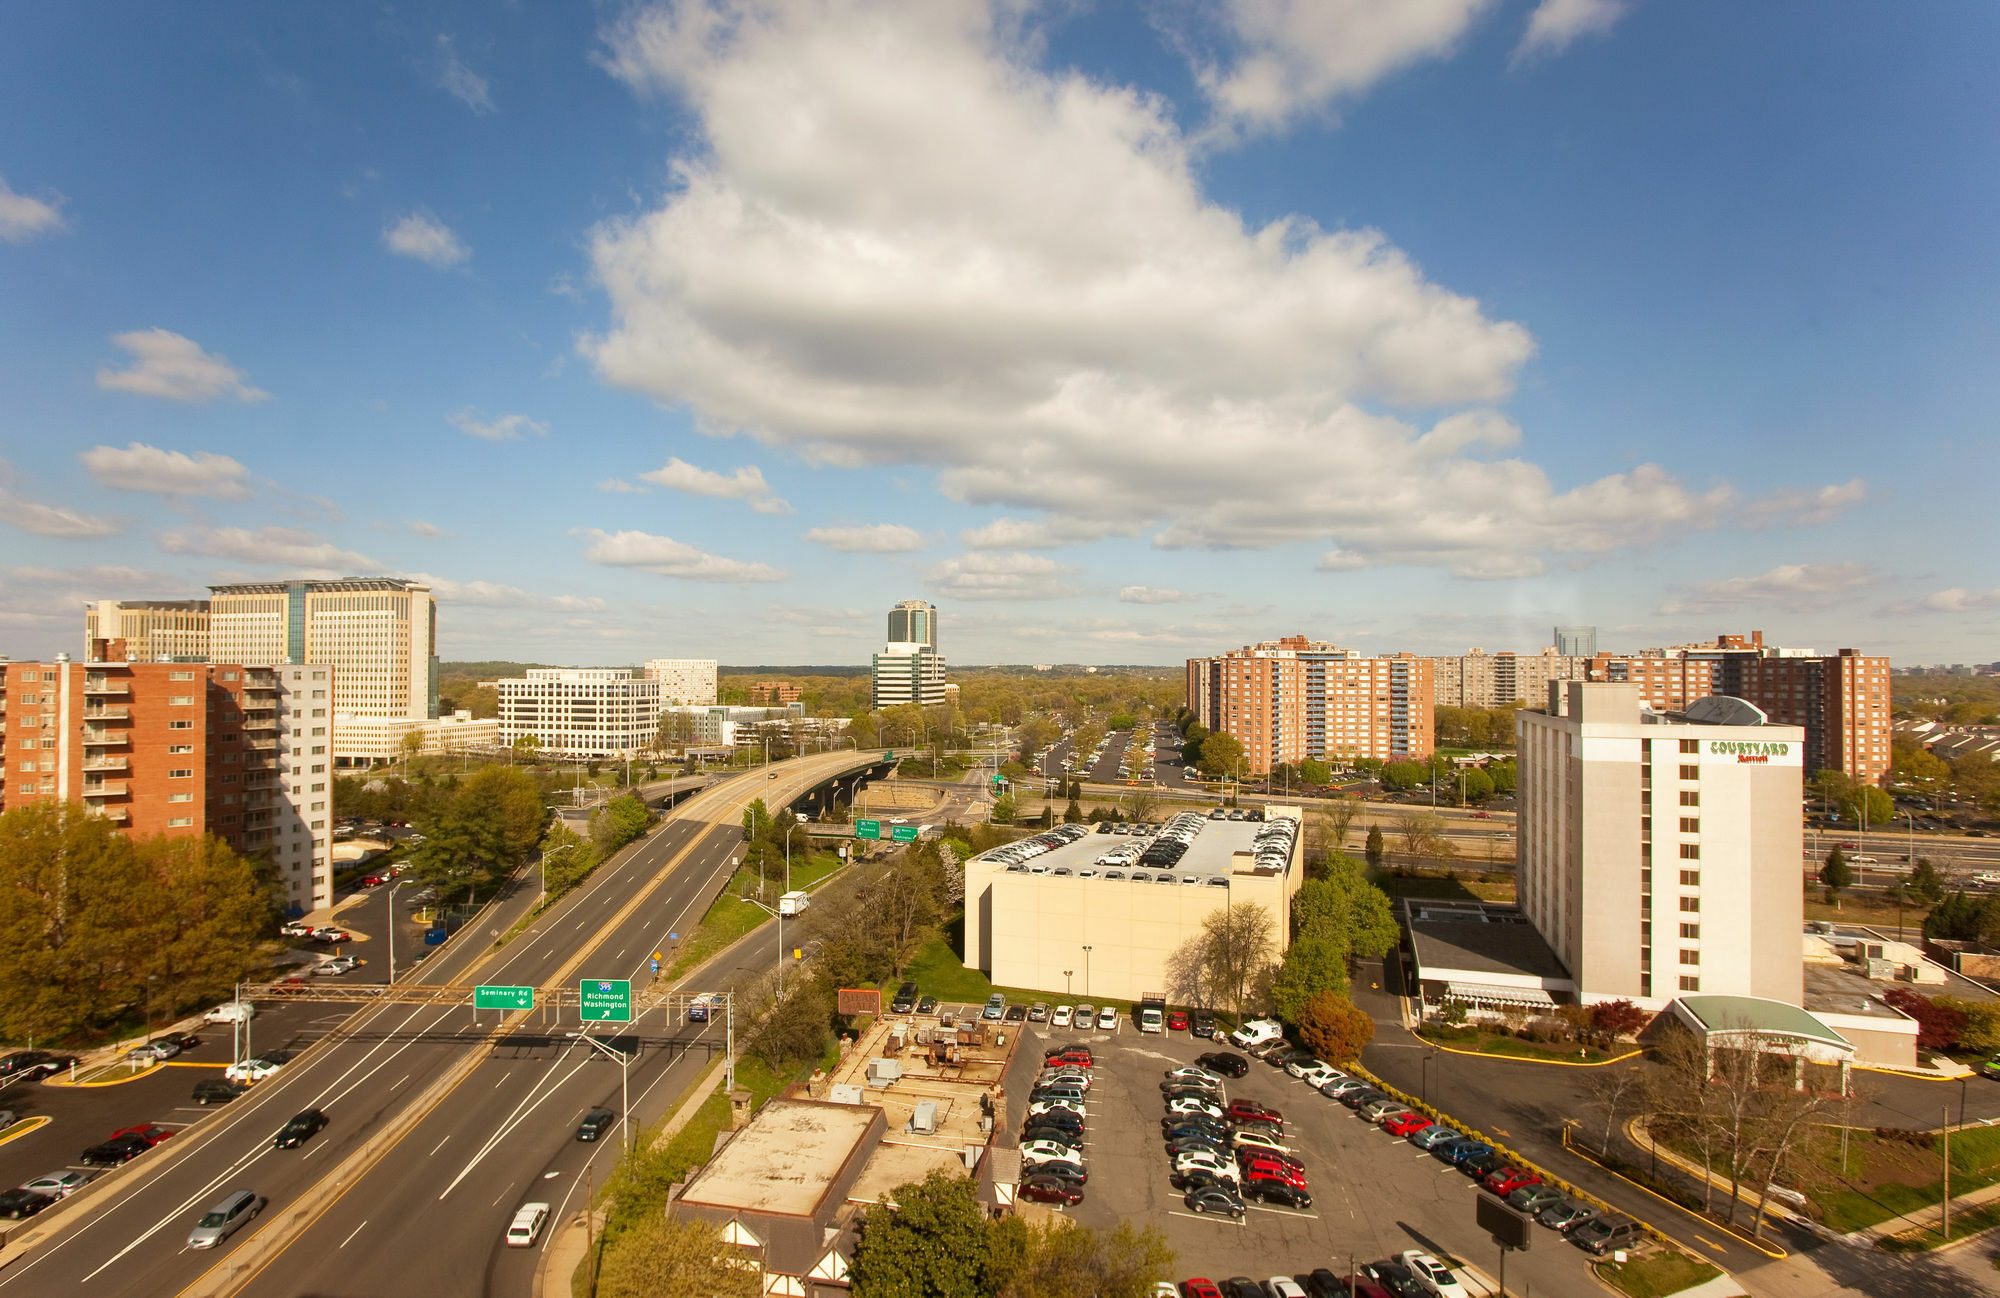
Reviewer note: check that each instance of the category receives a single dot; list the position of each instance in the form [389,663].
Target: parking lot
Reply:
[1374,1195]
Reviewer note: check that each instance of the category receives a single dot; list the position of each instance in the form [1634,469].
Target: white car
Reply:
[1192,1160]
[1317,1074]
[1064,1077]
[1248,1139]
[1297,1067]
[250,1070]
[333,968]
[1193,1104]
[527,1224]
[1256,1032]
[1107,1019]
[58,1185]
[1433,1275]
[1062,1016]
[1043,1150]
[1283,1286]
[1199,1076]
[1039,1107]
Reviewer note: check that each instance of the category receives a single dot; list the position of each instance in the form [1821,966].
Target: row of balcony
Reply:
[110,762]
[105,685]
[107,789]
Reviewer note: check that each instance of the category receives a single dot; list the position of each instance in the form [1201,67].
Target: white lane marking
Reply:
[350,1238]
[399,1081]
[529,1103]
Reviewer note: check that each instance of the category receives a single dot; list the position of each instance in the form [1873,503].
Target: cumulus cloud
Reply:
[429,240]
[1955,599]
[746,484]
[1795,587]
[670,558]
[874,538]
[1151,595]
[1803,507]
[139,467]
[898,241]
[501,428]
[23,218]
[620,487]
[276,547]
[1298,56]
[173,368]
[1557,23]
[488,594]
[1004,576]
[43,519]
[459,81]
[430,531]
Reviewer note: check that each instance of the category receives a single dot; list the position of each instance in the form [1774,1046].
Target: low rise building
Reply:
[366,741]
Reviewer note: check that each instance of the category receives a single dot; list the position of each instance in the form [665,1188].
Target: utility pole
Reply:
[1947,1172]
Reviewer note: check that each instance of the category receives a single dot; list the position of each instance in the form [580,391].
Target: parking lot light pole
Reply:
[1086,971]
[1066,974]
[392,929]
[624,1085]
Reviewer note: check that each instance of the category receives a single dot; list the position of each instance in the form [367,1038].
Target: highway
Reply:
[426,1209]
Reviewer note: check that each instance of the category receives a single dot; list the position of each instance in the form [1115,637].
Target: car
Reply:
[297,928]
[1177,1021]
[20,1203]
[375,880]
[1600,1235]
[1050,1189]
[1249,1139]
[1203,1024]
[1195,1178]
[302,1127]
[1253,1111]
[1175,1128]
[58,1185]
[1186,1104]
[337,966]
[1067,1119]
[1531,1199]
[1107,1019]
[1434,1135]
[111,1153]
[1190,1073]
[905,1001]
[1283,1286]
[1171,1091]
[1079,1055]
[594,1124]
[1480,1166]
[1058,1135]
[1242,1286]
[1504,1181]
[1224,1064]
[1406,1123]
[1070,1173]
[150,1132]
[1459,1151]
[1249,1156]
[1378,1109]
[1391,1275]
[927,1005]
[250,1070]
[1354,1099]
[1062,1016]
[1291,1055]
[1047,1149]
[1218,1199]
[527,1224]
[331,935]
[217,1090]
[1316,1074]
[1039,1108]
[1564,1213]
[1066,1076]
[156,1049]
[1015,1013]
[1196,1140]
[1199,1287]
[1340,1086]
[1192,1159]
[1038,1012]
[996,1005]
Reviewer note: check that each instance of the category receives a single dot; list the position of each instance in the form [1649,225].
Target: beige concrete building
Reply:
[380,739]
[581,711]
[379,634]
[1056,913]
[1477,679]
[1659,856]
[683,680]
[145,630]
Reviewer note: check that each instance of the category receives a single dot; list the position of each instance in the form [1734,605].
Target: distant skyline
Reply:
[1123,333]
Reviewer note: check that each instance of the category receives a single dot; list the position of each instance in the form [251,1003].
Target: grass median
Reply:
[730,917]
[1655,1274]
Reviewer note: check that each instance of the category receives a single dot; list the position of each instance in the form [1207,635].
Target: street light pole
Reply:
[1086,971]
[624,1085]
[392,928]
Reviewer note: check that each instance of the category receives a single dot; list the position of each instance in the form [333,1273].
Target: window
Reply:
[1690,983]
[180,700]
[180,748]
[1690,957]
[1690,824]
[1690,772]
[180,676]
[1690,745]
[1691,932]
[180,822]
[180,725]
[49,742]
[1690,797]
[1690,851]
[1691,904]
[181,773]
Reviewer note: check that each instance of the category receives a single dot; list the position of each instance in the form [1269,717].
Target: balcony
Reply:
[99,737]
[258,684]
[98,712]
[106,686]
[110,762]
[119,814]
[107,789]
[260,721]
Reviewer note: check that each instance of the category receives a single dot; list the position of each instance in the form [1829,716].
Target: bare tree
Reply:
[1140,804]
[1423,837]
[1340,818]
[1238,942]
[1613,1090]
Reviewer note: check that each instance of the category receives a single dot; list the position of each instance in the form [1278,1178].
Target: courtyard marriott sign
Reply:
[1761,752]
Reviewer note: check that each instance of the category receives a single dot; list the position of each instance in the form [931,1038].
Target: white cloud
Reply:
[1795,587]
[670,558]
[31,515]
[461,82]
[1298,56]
[276,547]
[166,365]
[900,242]
[1557,23]
[746,484]
[1004,576]
[1802,507]
[426,238]
[23,218]
[1151,595]
[874,538]
[488,594]
[501,428]
[139,467]
[618,486]
[418,527]
[1955,599]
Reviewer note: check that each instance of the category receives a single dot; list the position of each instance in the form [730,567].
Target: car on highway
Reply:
[150,1132]
[526,1226]
[1047,1188]
[302,1127]
[1218,1199]
[111,1153]
[594,1124]
[217,1090]
[19,1203]
[1223,1063]
[250,1070]
[59,1185]
[224,1219]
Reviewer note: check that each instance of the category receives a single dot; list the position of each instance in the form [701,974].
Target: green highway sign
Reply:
[605,1000]
[889,756]
[868,829]
[503,998]
[904,833]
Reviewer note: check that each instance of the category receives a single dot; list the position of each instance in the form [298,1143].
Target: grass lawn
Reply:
[730,917]
[1656,1274]
[938,970]
[1442,887]
[1887,1178]
[1494,1043]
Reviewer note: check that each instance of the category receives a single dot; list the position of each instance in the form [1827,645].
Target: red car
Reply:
[1271,1167]
[150,1132]
[1403,1124]
[1251,1111]
[1506,1180]
[1050,1189]
[374,880]
[1249,1154]
[1177,1021]
[1068,1055]
[1199,1289]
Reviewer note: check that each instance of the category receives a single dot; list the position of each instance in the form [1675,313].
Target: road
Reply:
[430,1198]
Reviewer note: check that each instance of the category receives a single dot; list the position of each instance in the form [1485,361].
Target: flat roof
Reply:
[1836,989]
[784,1161]
[1458,941]
[1757,1014]
[1212,853]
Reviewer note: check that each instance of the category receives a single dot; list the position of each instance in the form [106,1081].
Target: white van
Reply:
[1255,1033]
[527,1225]
[231,1012]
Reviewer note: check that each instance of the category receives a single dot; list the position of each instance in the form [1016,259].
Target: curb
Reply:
[25,1127]
[1526,1059]
[147,1071]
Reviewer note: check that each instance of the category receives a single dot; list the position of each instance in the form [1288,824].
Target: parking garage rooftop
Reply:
[1220,848]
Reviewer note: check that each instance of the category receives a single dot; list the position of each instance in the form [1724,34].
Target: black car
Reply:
[1271,1190]
[1066,1119]
[1015,1013]
[1068,1173]
[1324,1284]
[1191,1179]
[24,1203]
[1225,1063]
[303,1127]
[1290,1054]
[1203,1024]
[595,1123]
[1241,1286]
[1181,1144]
[928,1005]
[1216,1199]
[1479,1165]
[27,1063]
[1395,1277]
[906,999]
[218,1090]
[1060,1135]
[1362,1095]
[1602,1234]
[119,1149]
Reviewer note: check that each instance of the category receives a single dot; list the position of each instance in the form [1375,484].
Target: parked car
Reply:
[1404,1124]
[1317,1074]
[1223,1064]
[1509,1179]
[1480,1165]
[1340,1087]
[927,1005]
[1391,1275]
[1252,1110]
[905,1001]
[217,1090]
[1194,1104]
[1531,1199]
[111,1153]
[1190,1073]
[1198,1287]
[1283,1286]
[1207,1162]
[19,1203]
[1062,1016]
[1564,1213]
[1243,1139]
[1436,1278]
[1079,1055]
[1107,1019]
[58,1185]
[297,928]
[250,1070]
[337,966]
[1069,1173]
[1215,1199]
[996,1005]
[1050,1189]
[1203,1024]
[1461,1151]
[1377,1109]
[1434,1135]
[302,1127]
[1047,1149]
[1177,1021]
[1600,1235]
[158,1049]
[150,1132]
[332,934]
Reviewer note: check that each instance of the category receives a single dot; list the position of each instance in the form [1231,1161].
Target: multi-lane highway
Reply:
[473,1126]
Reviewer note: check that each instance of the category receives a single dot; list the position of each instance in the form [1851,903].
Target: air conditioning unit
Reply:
[924,1121]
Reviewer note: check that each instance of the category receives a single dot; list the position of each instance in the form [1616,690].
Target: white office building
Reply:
[726,726]
[581,711]
[907,672]
[683,680]
[1659,853]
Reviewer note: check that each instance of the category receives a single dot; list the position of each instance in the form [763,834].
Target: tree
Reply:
[1940,1023]
[1236,945]
[1073,813]
[1980,1028]
[798,1028]
[617,823]
[1612,1089]
[1058,1259]
[1478,785]
[1831,787]
[929,1241]
[484,830]
[1140,804]
[410,745]
[1373,849]
[1836,874]
[1924,886]
[1334,1028]
[1313,964]
[1346,910]
[675,1257]
[1003,809]
[1870,807]
[1610,1020]
[1423,837]
[1075,790]
[1221,755]
[1315,773]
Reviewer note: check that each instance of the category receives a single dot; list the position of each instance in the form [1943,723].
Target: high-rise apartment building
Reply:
[1659,856]
[379,634]
[906,672]
[1477,679]
[683,680]
[581,711]
[1575,642]
[913,622]
[145,630]
[1292,699]
[240,752]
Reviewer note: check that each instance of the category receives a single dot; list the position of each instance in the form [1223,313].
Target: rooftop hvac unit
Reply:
[844,1093]
[924,1121]
[884,1072]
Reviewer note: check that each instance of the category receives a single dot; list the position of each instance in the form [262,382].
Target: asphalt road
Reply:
[516,1099]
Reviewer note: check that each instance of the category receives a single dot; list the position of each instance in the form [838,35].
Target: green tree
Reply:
[1478,785]
[1315,773]
[1869,805]
[1502,774]
[674,1257]
[1925,887]
[1334,1028]
[1003,809]
[1374,849]
[1312,965]
[1346,909]
[1221,755]
[1836,875]
[1058,1259]
[1236,945]
[932,1243]
[482,831]
[617,823]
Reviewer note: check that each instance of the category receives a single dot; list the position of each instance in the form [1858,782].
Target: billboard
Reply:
[858,1000]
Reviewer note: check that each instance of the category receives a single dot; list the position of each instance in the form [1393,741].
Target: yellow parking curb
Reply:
[189,1063]
[1527,1059]
[23,1127]
[134,1076]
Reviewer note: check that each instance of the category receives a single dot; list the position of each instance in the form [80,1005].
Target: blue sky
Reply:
[1122,332]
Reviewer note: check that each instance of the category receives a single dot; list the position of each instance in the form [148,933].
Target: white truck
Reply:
[1152,1013]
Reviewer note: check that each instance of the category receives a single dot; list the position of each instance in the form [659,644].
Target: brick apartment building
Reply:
[1292,699]
[775,693]
[1477,679]
[181,748]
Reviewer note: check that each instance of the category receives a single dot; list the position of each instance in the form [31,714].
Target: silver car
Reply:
[222,1220]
